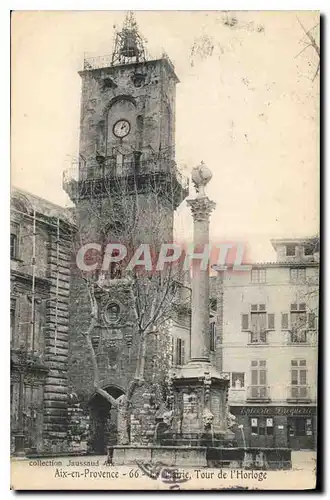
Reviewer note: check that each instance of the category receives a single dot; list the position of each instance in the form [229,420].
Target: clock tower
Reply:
[125,189]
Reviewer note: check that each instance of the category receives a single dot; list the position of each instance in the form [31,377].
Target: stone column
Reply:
[201,208]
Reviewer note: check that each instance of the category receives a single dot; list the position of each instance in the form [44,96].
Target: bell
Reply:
[129,48]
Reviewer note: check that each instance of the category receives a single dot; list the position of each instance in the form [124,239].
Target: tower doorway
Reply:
[103,421]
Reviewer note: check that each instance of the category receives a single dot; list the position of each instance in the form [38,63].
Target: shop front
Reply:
[276,426]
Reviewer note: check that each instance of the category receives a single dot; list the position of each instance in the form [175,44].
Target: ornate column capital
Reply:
[201,208]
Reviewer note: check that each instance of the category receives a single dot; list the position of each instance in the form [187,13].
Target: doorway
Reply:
[103,422]
[300,433]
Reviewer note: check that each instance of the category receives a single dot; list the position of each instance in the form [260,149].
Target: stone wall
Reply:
[39,334]
[56,344]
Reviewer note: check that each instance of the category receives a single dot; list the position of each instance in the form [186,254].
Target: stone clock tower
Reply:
[125,190]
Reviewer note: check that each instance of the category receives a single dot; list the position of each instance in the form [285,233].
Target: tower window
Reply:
[308,250]
[138,79]
[109,84]
[290,250]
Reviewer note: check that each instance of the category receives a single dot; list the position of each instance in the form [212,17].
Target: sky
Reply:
[249,110]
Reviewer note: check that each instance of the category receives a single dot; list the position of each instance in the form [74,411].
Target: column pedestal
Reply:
[200,410]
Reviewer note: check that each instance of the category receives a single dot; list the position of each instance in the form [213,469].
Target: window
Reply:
[212,336]
[308,250]
[14,232]
[298,378]
[39,318]
[298,275]
[258,322]
[213,304]
[299,426]
[311,321]
[12,320]
[258,327]
[108,84]
[258,379]
[115,267]
[290,250]
[237,380]
[258,276]
[298,318]
[179,357]
[262,426]
[298,322]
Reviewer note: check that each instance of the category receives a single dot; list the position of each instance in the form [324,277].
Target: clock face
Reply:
[121,128]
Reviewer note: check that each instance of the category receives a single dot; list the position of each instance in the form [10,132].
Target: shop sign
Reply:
[280,411]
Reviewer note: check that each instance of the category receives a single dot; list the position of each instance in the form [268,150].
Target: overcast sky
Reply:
[249,111]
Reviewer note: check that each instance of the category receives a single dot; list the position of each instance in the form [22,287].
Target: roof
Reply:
[312,240]
[30,202]
[260,265]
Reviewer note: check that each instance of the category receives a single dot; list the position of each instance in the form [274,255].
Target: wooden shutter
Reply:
[303,377]
[254,377]
[245,321]
[262,377]
[271,321]
[294,377]
[178,352]
[285,321]
[182,352]
[172,351]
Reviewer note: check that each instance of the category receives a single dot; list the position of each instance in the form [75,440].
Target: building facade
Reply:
[40,253]
[270,346]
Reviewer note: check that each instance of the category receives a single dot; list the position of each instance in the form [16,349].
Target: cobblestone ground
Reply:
[302,460]
[60,474]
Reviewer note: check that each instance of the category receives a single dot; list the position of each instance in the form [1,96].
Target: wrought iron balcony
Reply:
[104,175]
[298,393]
[108,60]
[258,393]
[258,337]
[298,336]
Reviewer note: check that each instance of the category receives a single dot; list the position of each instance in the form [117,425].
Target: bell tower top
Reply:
[128,44]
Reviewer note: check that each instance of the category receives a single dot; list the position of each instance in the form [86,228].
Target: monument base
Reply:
[200,456]
[200,400]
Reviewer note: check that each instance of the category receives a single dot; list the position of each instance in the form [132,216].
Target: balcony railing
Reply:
[258,337]
[298,336]
[107,60]
[258,393]
[298,393]
[114,169]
